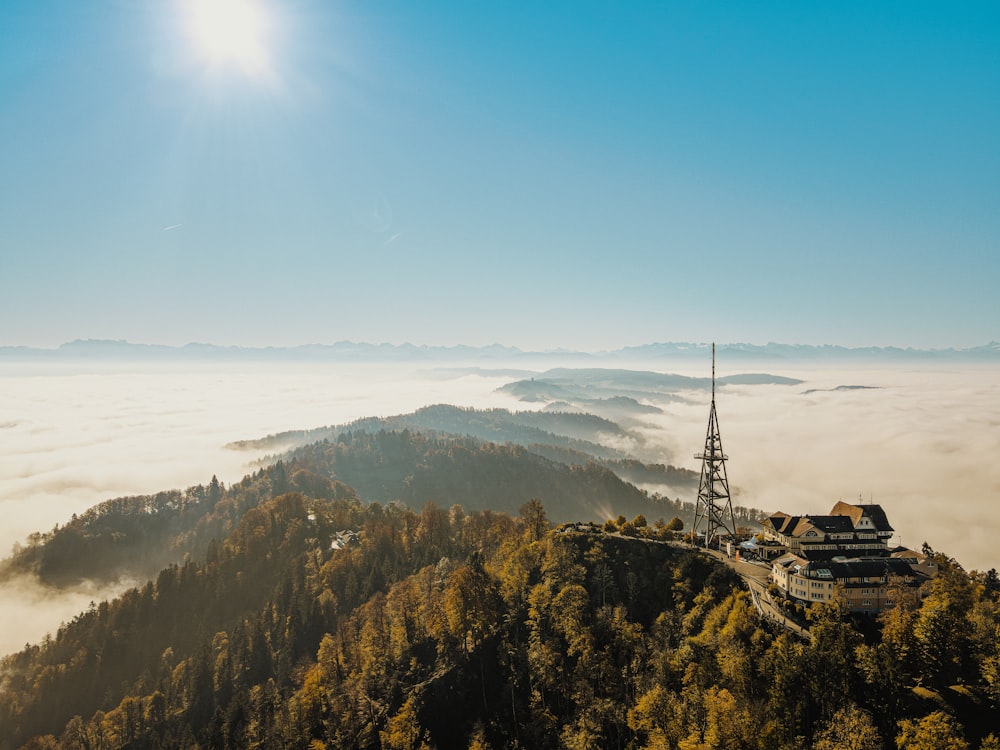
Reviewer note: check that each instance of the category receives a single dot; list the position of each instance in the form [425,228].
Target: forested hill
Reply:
[574,439]
[586,434]
[135,537]
[415,468]
[447,629]
[280,636]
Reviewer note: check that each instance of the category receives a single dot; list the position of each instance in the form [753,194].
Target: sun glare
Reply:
[230,32]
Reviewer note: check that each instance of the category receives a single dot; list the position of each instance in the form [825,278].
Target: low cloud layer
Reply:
[922,443]
[31,611]
[73,439]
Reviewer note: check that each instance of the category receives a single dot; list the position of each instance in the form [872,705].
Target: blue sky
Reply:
[578,174]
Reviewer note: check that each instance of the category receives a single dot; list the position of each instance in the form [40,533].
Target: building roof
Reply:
[820,554]
[922,564]
[858,567]
[788,560]
[905,553]
[832,524]
[783,523]
[799,526]
[857,512]
[776,521]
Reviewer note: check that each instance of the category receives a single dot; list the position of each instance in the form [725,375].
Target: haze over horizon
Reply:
[560,176]
[102,346]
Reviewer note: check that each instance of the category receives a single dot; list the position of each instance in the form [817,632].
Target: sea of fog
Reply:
[921,442]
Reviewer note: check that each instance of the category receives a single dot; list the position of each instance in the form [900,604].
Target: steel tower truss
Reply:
[714,507]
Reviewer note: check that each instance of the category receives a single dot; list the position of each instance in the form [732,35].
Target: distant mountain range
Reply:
[101,349]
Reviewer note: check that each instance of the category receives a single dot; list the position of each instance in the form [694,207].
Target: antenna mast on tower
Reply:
[714,507]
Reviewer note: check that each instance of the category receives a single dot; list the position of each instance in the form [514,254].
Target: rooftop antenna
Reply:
[714,507]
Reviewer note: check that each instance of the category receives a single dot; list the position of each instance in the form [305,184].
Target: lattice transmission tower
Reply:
[714,507]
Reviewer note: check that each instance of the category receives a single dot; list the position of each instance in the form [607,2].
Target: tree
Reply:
[675,524]
[942,630]
[603,580]
[215,490]
[44,742]
[992,581]
[434,531]
[788,687]
[851,728]
[991,675]
[726,727]
[936,731]
[76,735]
[471,602]
[403,731]
[831,658]
[477,740]
[650,717]
[535,520]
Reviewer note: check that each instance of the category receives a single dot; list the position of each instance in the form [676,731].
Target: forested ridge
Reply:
[580,432]
[414,468]
[298,612]
[134,537]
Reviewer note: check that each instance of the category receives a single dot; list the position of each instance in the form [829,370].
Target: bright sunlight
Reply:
[230,32]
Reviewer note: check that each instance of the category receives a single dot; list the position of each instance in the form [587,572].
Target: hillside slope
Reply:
[135,537]
[448,629]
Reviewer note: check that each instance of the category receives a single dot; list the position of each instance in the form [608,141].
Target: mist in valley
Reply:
[919,441]
[72,437]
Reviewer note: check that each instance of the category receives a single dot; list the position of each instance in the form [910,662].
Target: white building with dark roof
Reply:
[844,554]
[848,530]
[864,584]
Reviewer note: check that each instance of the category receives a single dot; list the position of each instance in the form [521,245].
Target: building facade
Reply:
[843,555]
[865,584]
[848,530]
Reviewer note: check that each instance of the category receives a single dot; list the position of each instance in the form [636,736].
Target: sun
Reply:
[230,32]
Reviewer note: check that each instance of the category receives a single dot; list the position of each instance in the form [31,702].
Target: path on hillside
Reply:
[757,576]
